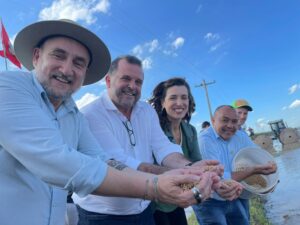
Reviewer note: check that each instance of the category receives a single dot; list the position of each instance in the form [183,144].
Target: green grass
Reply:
[257,213]
[192,220]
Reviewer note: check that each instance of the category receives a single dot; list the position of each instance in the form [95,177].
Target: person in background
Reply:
[242,109]
[205,125]
[173,101]
[46,147]
[128,130]
[251,132]
[221,142]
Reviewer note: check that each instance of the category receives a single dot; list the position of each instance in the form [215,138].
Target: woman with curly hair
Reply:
[174,104]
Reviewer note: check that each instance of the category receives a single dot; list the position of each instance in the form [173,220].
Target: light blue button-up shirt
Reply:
[43,153]
[212,146]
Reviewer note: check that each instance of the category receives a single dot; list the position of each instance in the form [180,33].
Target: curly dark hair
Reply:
[159,94]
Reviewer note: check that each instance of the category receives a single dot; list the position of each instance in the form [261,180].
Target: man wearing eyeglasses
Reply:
[129,131]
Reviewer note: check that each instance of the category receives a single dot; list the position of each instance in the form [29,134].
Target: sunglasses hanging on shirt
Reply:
[130,132]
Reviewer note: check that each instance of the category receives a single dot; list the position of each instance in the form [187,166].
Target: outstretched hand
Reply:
[184,171]
[209,165]
[230,189]
[170,187]
[266,169]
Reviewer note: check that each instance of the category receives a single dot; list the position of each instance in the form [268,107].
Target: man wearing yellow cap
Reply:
[242,108]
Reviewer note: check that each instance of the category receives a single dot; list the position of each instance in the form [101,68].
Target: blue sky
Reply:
[250,48]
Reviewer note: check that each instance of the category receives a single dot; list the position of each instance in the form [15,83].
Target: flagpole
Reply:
[4,51]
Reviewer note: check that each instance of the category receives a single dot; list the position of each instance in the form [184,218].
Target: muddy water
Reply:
[283,205]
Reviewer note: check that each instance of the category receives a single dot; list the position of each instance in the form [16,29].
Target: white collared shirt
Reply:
[106,124]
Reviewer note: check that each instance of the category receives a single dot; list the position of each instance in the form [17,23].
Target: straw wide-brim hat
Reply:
[28,38]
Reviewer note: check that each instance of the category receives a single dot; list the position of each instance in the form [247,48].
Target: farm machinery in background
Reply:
[288,137]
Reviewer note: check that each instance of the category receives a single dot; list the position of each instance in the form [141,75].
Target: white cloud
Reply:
[215,47]
[262,125]
[294,88]
[173,46]
[147,63]
[144,51]
[75,10]
[148,47]
[12,40]
[170,52]
[215,41]
[171,35]
[102,6]
[212,37]
[199,8]
[137,50]
[86,99]
[178,42]
[260,120]
[153,45]
[295,104]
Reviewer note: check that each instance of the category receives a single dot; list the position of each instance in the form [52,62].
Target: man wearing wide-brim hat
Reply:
[46,147]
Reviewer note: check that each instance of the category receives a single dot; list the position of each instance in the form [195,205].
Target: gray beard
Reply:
[52,95]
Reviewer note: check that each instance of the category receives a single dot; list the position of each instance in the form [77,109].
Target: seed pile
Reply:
[187,187]
[257,181]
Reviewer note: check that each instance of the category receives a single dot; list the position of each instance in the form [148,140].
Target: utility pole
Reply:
[204,84]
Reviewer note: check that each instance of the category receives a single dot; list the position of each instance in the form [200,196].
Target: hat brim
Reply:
[249,108]
[28,38]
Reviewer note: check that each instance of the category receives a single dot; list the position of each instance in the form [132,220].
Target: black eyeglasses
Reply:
[129,129]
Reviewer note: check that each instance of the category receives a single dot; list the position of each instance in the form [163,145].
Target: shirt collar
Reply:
[169,134]
[215,133]
[218,136]
[109,105]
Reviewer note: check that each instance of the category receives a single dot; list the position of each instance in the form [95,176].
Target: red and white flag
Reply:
[8,51]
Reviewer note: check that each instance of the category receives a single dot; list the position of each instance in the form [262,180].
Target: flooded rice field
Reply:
[283,205]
